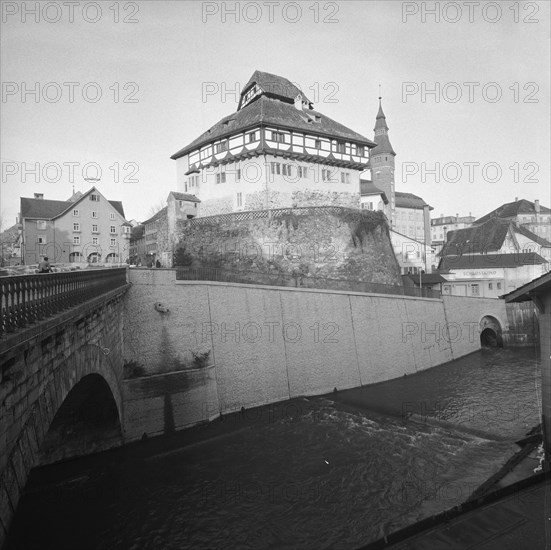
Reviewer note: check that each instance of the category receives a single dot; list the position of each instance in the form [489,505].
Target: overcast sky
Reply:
[170,71]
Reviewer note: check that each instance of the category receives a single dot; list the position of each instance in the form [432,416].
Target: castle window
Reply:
[275,168]
[326,175]
[475,290]
[76,213]
[94,214]
[112,216]
[345,177]
[76,239]
[238,175]
[95,240]
[318,143]
[41,239]
[95,229]
[490,286]
[239,199]
[112,229]
[222,146]
[113,242]
[94,198]
[302,171]
[252,137]
[221,178]
[286,170]
[76,227]
[340,147]
[360,150]
[278,136]
[498,285]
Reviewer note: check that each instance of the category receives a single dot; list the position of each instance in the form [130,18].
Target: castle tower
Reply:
[382,164]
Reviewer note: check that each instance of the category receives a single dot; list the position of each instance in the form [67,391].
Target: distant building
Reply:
[491,275]
[413,256]
[530,215]
[492,258]
[274,151]
[155,238]
[440,227]
[86,228]
[371,197]
[407,213]
[413,217]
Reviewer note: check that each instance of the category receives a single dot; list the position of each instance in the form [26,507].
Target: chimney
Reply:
[516,199]
[537,206]
[39,196]
[298,102]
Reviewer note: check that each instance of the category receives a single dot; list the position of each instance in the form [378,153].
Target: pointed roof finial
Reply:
[380,93]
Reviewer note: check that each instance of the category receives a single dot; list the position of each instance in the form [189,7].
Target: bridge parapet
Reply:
[27,299]
[43,364]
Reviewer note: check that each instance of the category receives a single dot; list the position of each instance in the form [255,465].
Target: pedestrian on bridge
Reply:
[44,266]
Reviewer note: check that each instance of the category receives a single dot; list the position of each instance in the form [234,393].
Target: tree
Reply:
[182,258]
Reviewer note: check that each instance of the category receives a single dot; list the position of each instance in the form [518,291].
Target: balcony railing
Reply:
[298,281]
[26,299]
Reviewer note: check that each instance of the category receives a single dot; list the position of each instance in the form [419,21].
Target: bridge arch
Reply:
[491,332]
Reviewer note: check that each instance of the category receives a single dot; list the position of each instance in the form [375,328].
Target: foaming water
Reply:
[329,475]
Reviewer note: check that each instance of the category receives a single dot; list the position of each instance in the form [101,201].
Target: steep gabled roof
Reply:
[42,208]
[48,209]
[488,237]
[155,217]
[274,85]
[536,238]
[513,209]
[484,238]
[479,261]
[184,197]
[409,200]
[265,111]
[367,187]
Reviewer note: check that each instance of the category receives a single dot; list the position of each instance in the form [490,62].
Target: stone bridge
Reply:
[67,340]
[61,370]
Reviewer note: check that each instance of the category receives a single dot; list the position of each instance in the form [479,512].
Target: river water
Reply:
[326,472]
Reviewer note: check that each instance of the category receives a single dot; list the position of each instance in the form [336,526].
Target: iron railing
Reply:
[285,279]
[26,299]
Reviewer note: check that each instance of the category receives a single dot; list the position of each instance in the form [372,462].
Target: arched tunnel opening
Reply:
[87,422]
[490,338]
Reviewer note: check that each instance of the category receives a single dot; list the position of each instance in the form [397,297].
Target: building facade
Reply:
[530,215]
[87,228]
[275,151]
[492,258]
[439,228]
[155,239]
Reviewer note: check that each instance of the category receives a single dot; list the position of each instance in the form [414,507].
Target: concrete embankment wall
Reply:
[270,344]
